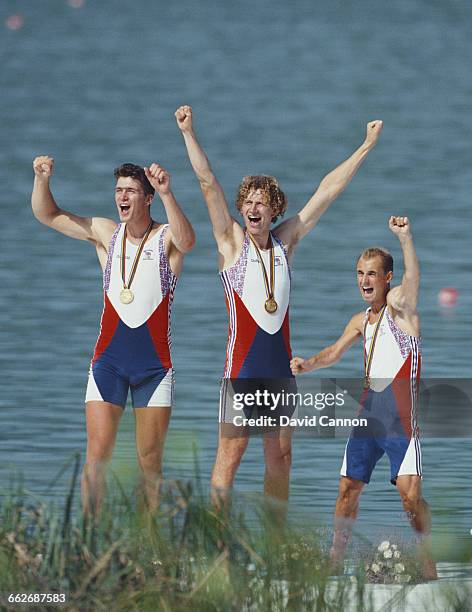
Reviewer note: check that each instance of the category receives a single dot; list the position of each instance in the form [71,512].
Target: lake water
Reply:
[278,88]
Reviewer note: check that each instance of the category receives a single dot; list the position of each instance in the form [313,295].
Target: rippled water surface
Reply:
[279,88]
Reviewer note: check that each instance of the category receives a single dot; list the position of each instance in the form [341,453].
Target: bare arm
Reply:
[332,185]
[333,353]
[404,298]
[45,209]
[181,231]
[225,228]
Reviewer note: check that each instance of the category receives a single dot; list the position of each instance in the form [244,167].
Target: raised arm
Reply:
[224,226]
[332,185]
[333,353]
[404,297]
[181,232]
[45,209]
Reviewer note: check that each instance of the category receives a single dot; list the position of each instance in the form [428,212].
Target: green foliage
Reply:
[187,555]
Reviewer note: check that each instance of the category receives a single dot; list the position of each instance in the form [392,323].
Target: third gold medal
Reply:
[368,360]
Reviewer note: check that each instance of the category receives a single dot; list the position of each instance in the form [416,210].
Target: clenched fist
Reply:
[400,226]
[43,166]
[158,177]
[183,116]
[373,132]
[298,365]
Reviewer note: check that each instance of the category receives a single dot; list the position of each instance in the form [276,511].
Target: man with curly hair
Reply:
[254,265]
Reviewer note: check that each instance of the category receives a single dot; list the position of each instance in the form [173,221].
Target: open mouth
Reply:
[253,220]
[124,208]
[367,290]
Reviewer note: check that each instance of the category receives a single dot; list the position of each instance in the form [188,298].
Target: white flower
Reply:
[375,568]
[399,568]
[394,546]
[402,578]
[388,554]
[384,546]
[397,554]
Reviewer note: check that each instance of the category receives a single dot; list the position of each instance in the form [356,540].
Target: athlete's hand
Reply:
[159,178]
[43,166]
[400,226]
[299,365]
[373,132]
[183,116]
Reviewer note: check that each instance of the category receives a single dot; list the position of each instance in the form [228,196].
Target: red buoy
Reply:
[14,22]
[447,297]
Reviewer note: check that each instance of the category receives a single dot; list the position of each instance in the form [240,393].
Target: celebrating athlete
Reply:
[141,260]
[254,264]
[390,328]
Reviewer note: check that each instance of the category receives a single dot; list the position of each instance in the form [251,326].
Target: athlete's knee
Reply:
[411,501]
[349,491]
[279,459]
[98,452]
[150,459]
[229,455]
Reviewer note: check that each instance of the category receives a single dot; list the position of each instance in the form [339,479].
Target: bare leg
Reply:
[419,516]
[231,448]
[345,514]
[151,429]
[278,461]
[102,419]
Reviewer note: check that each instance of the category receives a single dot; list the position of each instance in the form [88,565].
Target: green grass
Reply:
[188,556]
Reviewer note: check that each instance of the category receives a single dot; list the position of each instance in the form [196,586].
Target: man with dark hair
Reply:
[254,268]
[390,328]
[141,260]
[137,173]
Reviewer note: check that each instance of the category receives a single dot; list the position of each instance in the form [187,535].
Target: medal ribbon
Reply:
[269,286]
[368,361]
[136,257]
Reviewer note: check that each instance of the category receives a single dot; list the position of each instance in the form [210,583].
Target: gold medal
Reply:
[368,358]
[126,296]
[271,305]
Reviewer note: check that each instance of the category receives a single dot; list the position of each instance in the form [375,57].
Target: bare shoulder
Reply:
[230,245]
[399,303]
[174,256]
[357,322]
[351,334]
[285,232]
[404,316]
[102,230]
[396,299]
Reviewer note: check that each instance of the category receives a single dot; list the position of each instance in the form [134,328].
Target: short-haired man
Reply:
[254,268]
[392,357]
[141,260]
